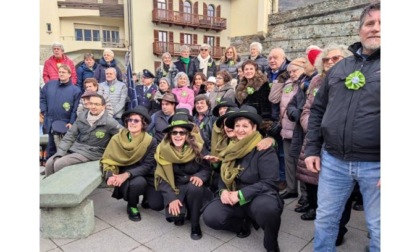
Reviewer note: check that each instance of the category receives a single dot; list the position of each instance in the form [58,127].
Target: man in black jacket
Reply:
[344,129]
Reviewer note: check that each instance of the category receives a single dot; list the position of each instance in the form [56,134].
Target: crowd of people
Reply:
[229,142]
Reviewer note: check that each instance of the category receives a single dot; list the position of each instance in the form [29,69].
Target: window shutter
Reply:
[195,39]
[195,11]
[170,5]
[205,39]
[217,41]
[181,38]
[181,6]
[218,11]
[205,9]
[155,4]
[156,35]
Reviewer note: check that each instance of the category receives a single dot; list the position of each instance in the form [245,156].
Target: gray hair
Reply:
[257,45]
[179,74]
[376,6]
[330,47]
[184,48]
[57,44]
[107,50]
[113,69]
[205,46]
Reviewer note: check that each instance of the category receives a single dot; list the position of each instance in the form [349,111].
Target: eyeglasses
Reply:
[334,59]
[181,133]
[202,49]
[131,120]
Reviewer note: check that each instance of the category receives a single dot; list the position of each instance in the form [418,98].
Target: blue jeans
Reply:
[336,181]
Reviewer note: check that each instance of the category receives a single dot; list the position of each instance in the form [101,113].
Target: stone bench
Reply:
[65,210]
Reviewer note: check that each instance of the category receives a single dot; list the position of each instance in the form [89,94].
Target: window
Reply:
[209,40]
[161,9]
[163,39]
[187,39]
[96,35]
[187,11]
[79,34]
[210,11]
[161,4]
[49,28]
[84,32]
[87,35]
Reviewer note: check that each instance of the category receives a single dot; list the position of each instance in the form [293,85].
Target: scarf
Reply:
[93,118]
[120,151]
[186,61]
[217,140]
[166,155]
[203,63]
[236,150]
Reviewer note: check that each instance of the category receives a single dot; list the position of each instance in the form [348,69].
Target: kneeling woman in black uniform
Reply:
[181,172]
[248,186]
[129,163]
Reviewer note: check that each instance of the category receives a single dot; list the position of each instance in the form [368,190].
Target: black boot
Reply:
[196,233]
[245,229]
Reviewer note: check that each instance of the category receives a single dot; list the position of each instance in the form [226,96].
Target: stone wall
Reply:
[315,24]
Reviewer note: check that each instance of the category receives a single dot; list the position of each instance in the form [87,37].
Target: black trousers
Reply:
[265,210]
[194,202]
[139,186]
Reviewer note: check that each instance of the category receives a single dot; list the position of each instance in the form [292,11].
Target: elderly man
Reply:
[87,139]
[117,92]
[58,102]
[52,64]
[160,118]
[277,75]
[344,136]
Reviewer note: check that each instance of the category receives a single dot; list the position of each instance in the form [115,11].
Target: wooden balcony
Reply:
[170,17]
[109,8]
[159,48]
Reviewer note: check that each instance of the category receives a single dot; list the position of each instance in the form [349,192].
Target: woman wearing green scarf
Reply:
[181,172]
[129,164]
[248,186]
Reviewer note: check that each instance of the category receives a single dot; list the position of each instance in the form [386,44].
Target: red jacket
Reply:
[51,70]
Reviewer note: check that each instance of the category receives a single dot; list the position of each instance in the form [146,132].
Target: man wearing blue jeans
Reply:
[344,135]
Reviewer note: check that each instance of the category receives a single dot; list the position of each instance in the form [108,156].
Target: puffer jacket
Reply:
[302,173]
[50,71]
[170,74]
[89,141]
[226,91]
[262,63]
[290,88]
[346,121]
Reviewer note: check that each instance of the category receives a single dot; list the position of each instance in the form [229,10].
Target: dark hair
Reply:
[376,6]
[250,62]
[144,124]
[226,75]
[189,139]
[103,102]
[202,75]
[90,80]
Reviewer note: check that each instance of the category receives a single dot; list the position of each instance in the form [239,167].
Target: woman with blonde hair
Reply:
[229,61]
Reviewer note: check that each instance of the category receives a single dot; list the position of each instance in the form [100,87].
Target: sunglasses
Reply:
[333,58]
[202,49]
[130,120]
[181,133]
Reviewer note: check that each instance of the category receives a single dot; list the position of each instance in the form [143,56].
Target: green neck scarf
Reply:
[166,155]
[186,61]
[236,150]
[122,151]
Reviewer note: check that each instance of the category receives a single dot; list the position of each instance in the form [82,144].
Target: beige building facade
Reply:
[148,28]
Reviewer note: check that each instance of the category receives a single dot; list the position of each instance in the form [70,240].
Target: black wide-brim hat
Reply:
[179,120]
[246,111]
[224,102]
[229,111]
[140,110]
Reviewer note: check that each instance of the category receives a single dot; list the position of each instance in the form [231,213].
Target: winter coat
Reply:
[145,167]
[59,101]
[195,67]
[254,92]
[145,99]
[347,121]
[260,174]
[206,127]
[182,67]
[89,141]
[302,173]
[84,72]
[159,122]
[262,63]
[172,72]
[99,73]
[230,66]
[185,97]
[117,92]
[50,71]
[226,91]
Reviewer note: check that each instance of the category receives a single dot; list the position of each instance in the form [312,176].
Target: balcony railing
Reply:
[159,48]
[187,19]
[105,44]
